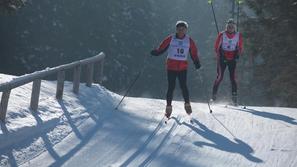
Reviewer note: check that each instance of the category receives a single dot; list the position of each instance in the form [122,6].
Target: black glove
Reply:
[154,52]
[197,64]
[236,57]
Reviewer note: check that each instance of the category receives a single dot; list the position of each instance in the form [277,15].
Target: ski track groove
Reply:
[160,146]
[137,156]
[182,140]
[145,144]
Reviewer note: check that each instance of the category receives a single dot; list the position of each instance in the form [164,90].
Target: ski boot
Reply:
[188,108]
[213,99]
[234,98]
[168,111]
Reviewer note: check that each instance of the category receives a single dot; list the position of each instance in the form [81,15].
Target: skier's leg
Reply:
[171,77]
[221,66]
[182,78]
[232,69]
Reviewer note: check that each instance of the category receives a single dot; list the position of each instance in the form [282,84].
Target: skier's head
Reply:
[230,26]
[181,28]
[181,23]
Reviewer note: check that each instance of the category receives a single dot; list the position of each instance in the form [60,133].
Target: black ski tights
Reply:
[182,78]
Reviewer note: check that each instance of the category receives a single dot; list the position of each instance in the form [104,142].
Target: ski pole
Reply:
[132,84]
[202,83]
[224,126]
[214,15]
[233,8]
[128,90]
[237,23]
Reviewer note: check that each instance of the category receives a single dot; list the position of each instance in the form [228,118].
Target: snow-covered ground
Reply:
[85,130]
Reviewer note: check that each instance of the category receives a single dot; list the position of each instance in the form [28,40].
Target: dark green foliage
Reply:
[10,6]
[271,36]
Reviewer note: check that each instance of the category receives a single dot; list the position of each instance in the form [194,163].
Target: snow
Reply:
[85,130]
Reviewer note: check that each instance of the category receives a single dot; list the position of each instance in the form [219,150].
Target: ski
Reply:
[235,106]
[191,119]
[167,119]
[208,103]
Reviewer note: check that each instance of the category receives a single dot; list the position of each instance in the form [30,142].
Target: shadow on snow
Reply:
[221,142]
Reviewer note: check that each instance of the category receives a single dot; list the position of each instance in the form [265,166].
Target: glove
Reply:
[154,52]
[236,57]
[197,64]
[237,53]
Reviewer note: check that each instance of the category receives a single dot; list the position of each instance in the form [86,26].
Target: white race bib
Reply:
[179,48]
[230,44]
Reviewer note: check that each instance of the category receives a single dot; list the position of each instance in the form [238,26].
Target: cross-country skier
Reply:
[179,45]
[228,47]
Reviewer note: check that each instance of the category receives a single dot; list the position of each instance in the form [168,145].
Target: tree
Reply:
[8,6]
[272,41]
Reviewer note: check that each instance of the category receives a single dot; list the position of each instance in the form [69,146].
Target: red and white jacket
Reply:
[229,43]
[178,50]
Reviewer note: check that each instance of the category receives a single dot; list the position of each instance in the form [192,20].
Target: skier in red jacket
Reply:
[228,47]
[179,45]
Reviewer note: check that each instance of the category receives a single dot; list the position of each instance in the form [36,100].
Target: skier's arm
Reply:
[194,54]
[218,43]
[163,46]
[193,50]
[240,44]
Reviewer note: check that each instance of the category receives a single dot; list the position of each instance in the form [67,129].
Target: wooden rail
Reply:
[60,71]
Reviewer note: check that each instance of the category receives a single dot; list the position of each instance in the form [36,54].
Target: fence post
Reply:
[35,94]
[101,71]
[4,104]
[60,84]
[90,74]
[76,78]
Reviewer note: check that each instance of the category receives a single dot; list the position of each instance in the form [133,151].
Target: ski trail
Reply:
[157,150]
[145,144]
[153,145]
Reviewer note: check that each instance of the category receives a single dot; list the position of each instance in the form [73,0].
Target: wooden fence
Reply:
[36,77]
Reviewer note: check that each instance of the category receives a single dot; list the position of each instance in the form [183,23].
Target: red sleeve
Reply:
[218,43]
[164,45]
[193,50]
[240,44]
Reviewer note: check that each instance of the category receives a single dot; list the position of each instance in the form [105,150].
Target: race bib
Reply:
[179,48]
[230,44]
